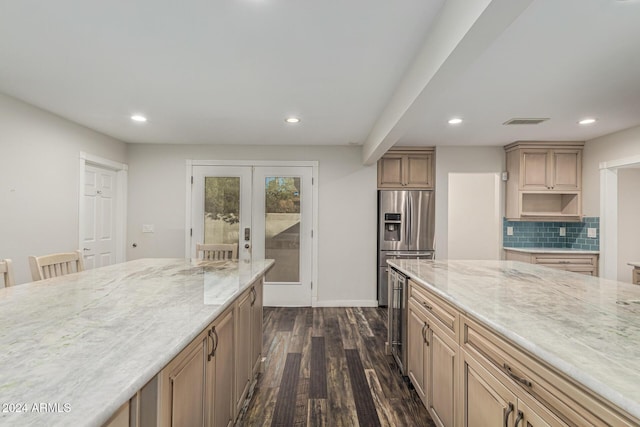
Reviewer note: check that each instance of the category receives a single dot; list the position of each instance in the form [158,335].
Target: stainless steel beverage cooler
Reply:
[405,230]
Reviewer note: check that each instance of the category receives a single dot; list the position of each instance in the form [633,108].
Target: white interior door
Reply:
[99,243]
[282,224]
[221,207]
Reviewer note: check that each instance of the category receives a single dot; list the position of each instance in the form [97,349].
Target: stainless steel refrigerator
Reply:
[405,230]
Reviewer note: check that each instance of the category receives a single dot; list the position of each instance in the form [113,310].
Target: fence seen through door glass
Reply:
[282,228]
[222,210]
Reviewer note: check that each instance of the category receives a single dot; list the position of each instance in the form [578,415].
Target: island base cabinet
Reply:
[444,377]
[182,387]
[248,341]
[220,373]
[432,362]
[488,401]
[196,387]
[418,352]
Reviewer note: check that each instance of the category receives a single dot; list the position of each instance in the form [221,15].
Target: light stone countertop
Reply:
[551,250]
[634,264]
[586,327]
[86,342]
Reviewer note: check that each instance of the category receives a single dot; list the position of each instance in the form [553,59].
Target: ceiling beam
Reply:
[463,30]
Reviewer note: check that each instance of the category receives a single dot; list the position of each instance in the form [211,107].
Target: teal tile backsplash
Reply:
[547,234]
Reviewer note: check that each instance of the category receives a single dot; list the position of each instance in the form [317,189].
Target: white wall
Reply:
[615,146]
[39,179]
[628,224]
[347,209]
[475,216]
[461,160]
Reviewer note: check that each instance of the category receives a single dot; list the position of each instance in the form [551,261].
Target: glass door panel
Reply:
[222,210]
[221,207]
[282,227]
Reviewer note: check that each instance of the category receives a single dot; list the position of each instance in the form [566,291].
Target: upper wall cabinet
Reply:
[545,181]
[405,168]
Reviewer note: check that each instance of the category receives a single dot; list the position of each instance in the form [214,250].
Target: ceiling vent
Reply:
[525,121]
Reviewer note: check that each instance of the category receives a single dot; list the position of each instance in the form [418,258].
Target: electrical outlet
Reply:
[592,232]
[509,231]
[147,228]
[563,231]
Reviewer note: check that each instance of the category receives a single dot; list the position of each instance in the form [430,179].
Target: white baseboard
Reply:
[346,303]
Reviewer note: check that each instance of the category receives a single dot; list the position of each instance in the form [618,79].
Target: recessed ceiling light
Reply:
[587,121]
[455,121]
[138,118]
[292,120]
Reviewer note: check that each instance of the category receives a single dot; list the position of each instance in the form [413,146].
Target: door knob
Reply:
[247,246]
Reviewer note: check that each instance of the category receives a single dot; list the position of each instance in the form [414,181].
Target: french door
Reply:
[267,212]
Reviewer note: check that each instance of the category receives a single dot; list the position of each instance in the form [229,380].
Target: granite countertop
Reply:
[586,327]
[552,250]
[84,343]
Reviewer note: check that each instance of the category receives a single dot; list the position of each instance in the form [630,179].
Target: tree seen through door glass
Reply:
[222,210]
[282,228]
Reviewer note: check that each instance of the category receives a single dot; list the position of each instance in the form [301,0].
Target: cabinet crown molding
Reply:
[544,144]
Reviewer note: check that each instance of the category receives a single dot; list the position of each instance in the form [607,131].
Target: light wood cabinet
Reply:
[635,279]
[183,387]
[406,168]
[550,169]
[256,326]
[577,263]
[196,386]
[220,369]
[418,351]
[432,361]
[243,348]
[489,401]
[468,375]
[544,181]
[248,340]
[549,397]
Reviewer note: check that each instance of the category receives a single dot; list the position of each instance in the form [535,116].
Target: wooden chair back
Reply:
[6,269]
[54,265]
[212,252]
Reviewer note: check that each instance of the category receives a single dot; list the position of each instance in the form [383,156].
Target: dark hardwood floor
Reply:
[327,367]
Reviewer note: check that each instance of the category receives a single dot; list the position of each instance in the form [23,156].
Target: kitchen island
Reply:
[75,348]
[565,344]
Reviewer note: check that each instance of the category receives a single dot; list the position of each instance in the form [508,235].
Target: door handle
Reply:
[520,417]
[507,413]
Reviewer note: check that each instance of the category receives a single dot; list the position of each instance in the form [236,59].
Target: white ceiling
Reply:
[230,71]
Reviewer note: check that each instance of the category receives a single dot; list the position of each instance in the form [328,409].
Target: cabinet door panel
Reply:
[566,170]
[416,352]
[535,175]
[243,348]
[187,390]
[220,374]
[442,389]
[256,328]
[390,172]
[486,401]
[418,171]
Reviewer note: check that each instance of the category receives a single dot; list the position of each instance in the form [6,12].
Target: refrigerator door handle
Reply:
[409,219]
